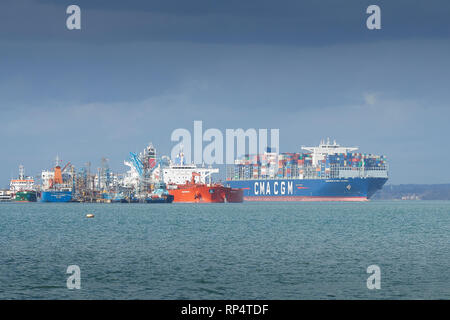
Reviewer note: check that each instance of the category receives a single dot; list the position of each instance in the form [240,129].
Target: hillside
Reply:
[414,192]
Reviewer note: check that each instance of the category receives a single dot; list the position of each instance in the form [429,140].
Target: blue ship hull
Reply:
[349,189]
[56,196]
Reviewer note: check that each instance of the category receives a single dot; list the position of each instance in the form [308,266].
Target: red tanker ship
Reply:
[194,192]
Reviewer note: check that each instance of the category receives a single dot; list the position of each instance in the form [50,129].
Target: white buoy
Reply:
[89,215]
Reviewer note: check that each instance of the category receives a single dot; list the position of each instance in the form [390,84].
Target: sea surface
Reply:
[226,251]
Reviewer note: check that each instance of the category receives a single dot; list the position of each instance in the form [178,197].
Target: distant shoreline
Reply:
[414,192]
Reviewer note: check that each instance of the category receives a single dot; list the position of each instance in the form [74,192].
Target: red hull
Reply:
[202,193]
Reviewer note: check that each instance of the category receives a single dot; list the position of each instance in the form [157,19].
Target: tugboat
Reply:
[160,194]
[23,188]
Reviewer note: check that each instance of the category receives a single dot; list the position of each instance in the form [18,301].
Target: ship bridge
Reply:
[326,148]
[178,171]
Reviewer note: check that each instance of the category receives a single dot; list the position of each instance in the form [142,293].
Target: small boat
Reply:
[160,194]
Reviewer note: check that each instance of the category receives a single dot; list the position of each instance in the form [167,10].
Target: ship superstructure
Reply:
[23,183]
[23,189]
[179,172]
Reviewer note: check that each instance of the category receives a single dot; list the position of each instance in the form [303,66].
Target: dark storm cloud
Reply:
[290,22]
[139,69]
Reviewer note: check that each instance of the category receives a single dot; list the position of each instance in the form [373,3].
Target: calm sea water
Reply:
[226,251]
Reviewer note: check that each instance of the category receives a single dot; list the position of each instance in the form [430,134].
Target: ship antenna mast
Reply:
[21,172]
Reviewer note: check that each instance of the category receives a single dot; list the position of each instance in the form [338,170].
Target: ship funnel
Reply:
[57,161]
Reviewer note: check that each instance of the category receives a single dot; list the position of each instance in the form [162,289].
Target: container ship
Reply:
[56,184]
[328,172]
[23,188]
[188,183]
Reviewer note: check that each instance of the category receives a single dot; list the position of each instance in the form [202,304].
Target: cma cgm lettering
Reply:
[328,172]
[273,188]
[351,189]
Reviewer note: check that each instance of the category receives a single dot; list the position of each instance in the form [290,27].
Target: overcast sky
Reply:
[137,70]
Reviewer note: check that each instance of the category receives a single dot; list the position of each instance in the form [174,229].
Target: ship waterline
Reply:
[328,172]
